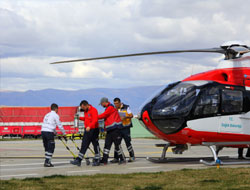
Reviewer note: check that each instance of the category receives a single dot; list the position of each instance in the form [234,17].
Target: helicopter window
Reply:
[232,101]
[208,104]
[175,101]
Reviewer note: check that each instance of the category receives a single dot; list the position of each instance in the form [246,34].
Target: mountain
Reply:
[132,96]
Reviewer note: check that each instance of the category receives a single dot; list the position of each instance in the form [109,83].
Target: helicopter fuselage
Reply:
[213,106]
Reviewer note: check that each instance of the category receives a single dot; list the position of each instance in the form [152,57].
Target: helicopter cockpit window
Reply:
[232,101]
[208,103]
[172,105]
[175,101]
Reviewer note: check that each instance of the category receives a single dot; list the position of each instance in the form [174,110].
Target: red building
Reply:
[27,121]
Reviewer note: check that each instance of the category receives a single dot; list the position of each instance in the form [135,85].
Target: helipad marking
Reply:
[40,163]
[69,166]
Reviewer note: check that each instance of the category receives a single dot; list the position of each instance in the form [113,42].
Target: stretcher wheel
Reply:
[87,161]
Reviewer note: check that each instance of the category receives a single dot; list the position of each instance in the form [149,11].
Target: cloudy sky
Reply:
[34,33]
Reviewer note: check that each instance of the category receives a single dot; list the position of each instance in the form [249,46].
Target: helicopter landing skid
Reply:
[163,158]
[217,162]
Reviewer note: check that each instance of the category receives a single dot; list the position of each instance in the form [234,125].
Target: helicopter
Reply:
[210,109]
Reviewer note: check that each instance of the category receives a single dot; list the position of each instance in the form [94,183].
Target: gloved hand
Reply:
[77,115]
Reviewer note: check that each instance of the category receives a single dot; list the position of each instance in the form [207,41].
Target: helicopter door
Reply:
[231,106]
[206,111]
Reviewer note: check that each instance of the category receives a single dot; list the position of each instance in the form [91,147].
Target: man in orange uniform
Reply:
[112,123]
[91,134]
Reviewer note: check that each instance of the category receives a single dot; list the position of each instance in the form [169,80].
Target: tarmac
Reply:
[25,159]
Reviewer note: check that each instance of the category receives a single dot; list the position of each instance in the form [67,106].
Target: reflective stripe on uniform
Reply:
[48,153]
[80,155]
[119,152]
[130,148]
[48,157]
[97,156]
[106,151]
[113,124]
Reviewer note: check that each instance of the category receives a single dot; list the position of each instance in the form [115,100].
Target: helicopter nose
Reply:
[158,124]
[147,123]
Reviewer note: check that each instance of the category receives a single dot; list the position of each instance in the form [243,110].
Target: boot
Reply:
[104,161]
[132,156]
[76,162]
[48,164]
[131,159]
[241,158]
[115,160]
[122,162]
[96,162]
[87,161]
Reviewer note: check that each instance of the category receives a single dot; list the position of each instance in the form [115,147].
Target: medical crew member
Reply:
[91,134]
[240,153]
[112,122]
[126,116]
[50,121]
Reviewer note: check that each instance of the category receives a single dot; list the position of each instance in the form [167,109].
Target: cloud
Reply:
[30,67]
[34,33]
[36,73]
[89,71]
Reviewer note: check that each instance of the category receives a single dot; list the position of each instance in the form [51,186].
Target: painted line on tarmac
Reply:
[194,165]
[40,163]
[84,171]
[148,152]
[19,175]
[136,168]
[68,156]
[37,168]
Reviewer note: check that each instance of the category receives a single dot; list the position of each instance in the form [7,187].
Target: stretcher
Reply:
[64,141]
[74,137]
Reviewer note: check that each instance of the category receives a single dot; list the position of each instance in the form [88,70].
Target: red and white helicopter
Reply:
[210,109]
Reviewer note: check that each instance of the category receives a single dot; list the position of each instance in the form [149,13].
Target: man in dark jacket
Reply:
[112,123]
[91,134]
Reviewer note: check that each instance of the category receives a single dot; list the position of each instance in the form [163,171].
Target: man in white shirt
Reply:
[50,121]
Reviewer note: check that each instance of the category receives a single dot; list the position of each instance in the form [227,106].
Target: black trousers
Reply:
[125,134]
[91,136]
[49,144]
[240,152]
[248,152]
[112,136]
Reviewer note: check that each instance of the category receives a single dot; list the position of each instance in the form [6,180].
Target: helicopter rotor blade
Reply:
[211,50]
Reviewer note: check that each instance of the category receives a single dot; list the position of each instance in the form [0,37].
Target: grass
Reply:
[211,178]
